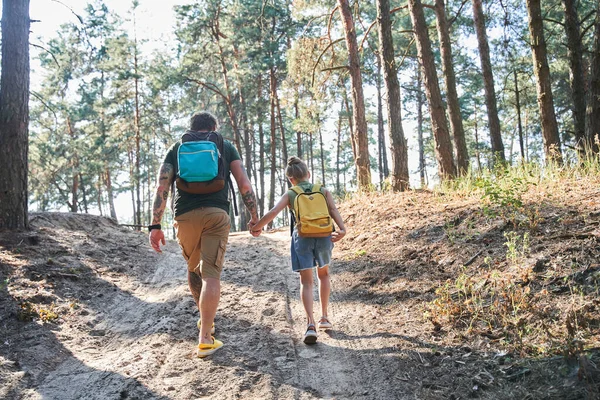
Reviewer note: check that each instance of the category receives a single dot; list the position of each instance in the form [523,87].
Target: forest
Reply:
[460,139]
[377,96]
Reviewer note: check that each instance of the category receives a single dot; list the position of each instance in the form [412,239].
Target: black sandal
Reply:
[310,337]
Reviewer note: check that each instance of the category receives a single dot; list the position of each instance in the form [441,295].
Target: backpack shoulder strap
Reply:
[297,189]
[316,187]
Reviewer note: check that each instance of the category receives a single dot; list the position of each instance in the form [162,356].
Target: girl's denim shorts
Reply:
[308,253]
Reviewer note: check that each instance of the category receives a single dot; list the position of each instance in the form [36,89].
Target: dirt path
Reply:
[136,335]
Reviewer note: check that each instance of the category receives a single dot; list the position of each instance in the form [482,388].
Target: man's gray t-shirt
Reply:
[183,201]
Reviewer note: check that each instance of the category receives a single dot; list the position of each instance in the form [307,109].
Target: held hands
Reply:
[337,235]
[251,228]
[156,238]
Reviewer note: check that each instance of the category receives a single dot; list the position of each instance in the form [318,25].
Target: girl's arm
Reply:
[270,216]
[335,214]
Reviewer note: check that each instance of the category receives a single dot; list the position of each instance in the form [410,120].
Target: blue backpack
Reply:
[200,163]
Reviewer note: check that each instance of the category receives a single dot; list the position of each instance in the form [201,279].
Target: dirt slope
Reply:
[124,323]
[89,311]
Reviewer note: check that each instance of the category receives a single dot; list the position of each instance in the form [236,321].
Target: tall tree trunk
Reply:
[400,179]
[443,144]
[544,88]
[518,106]
[14,114]
[322,156]
[360,141]
[488,83]
[273,142]
[244,214]
[131,157]
[83,193]
[73,204]
[109,192]
[575,53]
[137,181]
[338,151]
[380,129]
[227,96]
[284,153]
[477,152]
[592,113]
[420,103]
[311,157]
[456,123]
[99,193]
[298,132]
[261,149]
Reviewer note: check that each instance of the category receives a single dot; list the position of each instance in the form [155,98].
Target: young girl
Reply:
[306,252]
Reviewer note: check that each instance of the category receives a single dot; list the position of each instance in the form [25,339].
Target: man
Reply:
[202,224]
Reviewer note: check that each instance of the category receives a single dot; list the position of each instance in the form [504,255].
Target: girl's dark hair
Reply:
[204,121]
[296,168]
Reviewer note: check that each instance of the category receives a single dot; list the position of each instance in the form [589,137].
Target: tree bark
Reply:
[14,114]
[456,123]
[420,140]
[443,144]
[544,88]
[137,182]
[284,152]
[338,151]
[575,54]
[399,175]
[488,84]
[519,119]
[74,203]
[380,129]
[592,113]
[261,148]
[298,132]
[273,142]
[322,156]
[109,192]
[360,141]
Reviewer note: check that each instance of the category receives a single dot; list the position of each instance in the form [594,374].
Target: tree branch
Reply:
[453,19]
[554,21]
[366,35]
[312,81]
[335,68]
[74,13]
[394,10]
[208,86]
[406,52]
[330,21]
[47,51]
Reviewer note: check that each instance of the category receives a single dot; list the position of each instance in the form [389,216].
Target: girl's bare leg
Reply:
[324,288]
[306,293]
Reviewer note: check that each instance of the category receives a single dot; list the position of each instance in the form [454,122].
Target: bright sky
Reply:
[155,18]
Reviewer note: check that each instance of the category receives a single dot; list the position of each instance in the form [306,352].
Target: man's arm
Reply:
[166,175]
[245,187]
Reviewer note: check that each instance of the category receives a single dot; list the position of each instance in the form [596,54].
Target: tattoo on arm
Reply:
[165,178]
[250,202]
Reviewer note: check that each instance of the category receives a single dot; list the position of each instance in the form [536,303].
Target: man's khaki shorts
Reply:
[202,235]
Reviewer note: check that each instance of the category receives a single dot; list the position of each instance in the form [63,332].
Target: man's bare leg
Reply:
[195,284]
[209,301]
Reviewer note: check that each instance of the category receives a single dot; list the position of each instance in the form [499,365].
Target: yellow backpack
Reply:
[311,212]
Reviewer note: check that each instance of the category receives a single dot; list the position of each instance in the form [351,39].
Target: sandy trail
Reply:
[138,340]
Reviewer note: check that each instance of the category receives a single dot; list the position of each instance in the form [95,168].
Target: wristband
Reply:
[155,226]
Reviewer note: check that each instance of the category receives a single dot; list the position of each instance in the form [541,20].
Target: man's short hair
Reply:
[204,121]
